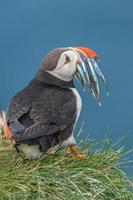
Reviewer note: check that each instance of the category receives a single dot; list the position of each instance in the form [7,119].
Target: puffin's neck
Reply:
[49,79]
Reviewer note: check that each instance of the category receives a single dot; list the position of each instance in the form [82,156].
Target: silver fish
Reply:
[100,73]
[79,78]
[93,80]
[81,72]
[86,73]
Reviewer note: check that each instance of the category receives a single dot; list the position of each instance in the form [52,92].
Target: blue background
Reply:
[31,28]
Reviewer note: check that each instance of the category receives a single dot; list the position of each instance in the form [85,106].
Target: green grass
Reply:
[98,177]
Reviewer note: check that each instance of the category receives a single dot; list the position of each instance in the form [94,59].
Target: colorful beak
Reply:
[88,72]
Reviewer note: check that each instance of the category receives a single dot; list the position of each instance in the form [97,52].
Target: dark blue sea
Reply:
[30,29]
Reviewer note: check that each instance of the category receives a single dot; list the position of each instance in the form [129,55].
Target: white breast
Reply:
[71,139]
[78,104]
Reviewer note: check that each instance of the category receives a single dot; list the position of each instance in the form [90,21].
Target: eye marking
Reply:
[67,59]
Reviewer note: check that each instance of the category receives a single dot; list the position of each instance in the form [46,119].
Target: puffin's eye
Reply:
[67,59]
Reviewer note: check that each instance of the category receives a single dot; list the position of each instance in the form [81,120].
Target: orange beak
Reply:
[87,52]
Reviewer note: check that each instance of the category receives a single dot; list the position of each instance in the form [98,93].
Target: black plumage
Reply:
[42,113]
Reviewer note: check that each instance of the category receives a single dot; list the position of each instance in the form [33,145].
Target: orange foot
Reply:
[74,153]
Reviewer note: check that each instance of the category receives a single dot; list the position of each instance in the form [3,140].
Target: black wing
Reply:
[19,105]
[52,110]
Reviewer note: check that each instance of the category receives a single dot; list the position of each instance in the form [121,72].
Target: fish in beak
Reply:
[89,73]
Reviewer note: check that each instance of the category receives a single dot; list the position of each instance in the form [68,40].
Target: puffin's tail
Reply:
[4,126]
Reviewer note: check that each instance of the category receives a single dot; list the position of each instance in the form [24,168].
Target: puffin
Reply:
[44,114]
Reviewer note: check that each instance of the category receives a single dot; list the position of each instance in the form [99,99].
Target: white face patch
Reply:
[66,66]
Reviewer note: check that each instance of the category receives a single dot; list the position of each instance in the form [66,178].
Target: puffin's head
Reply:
[79,62]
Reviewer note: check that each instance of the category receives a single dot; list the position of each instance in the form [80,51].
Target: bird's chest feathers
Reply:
[71,140]
[78,103]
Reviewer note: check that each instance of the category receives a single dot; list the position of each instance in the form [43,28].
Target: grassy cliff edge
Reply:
[55,177]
